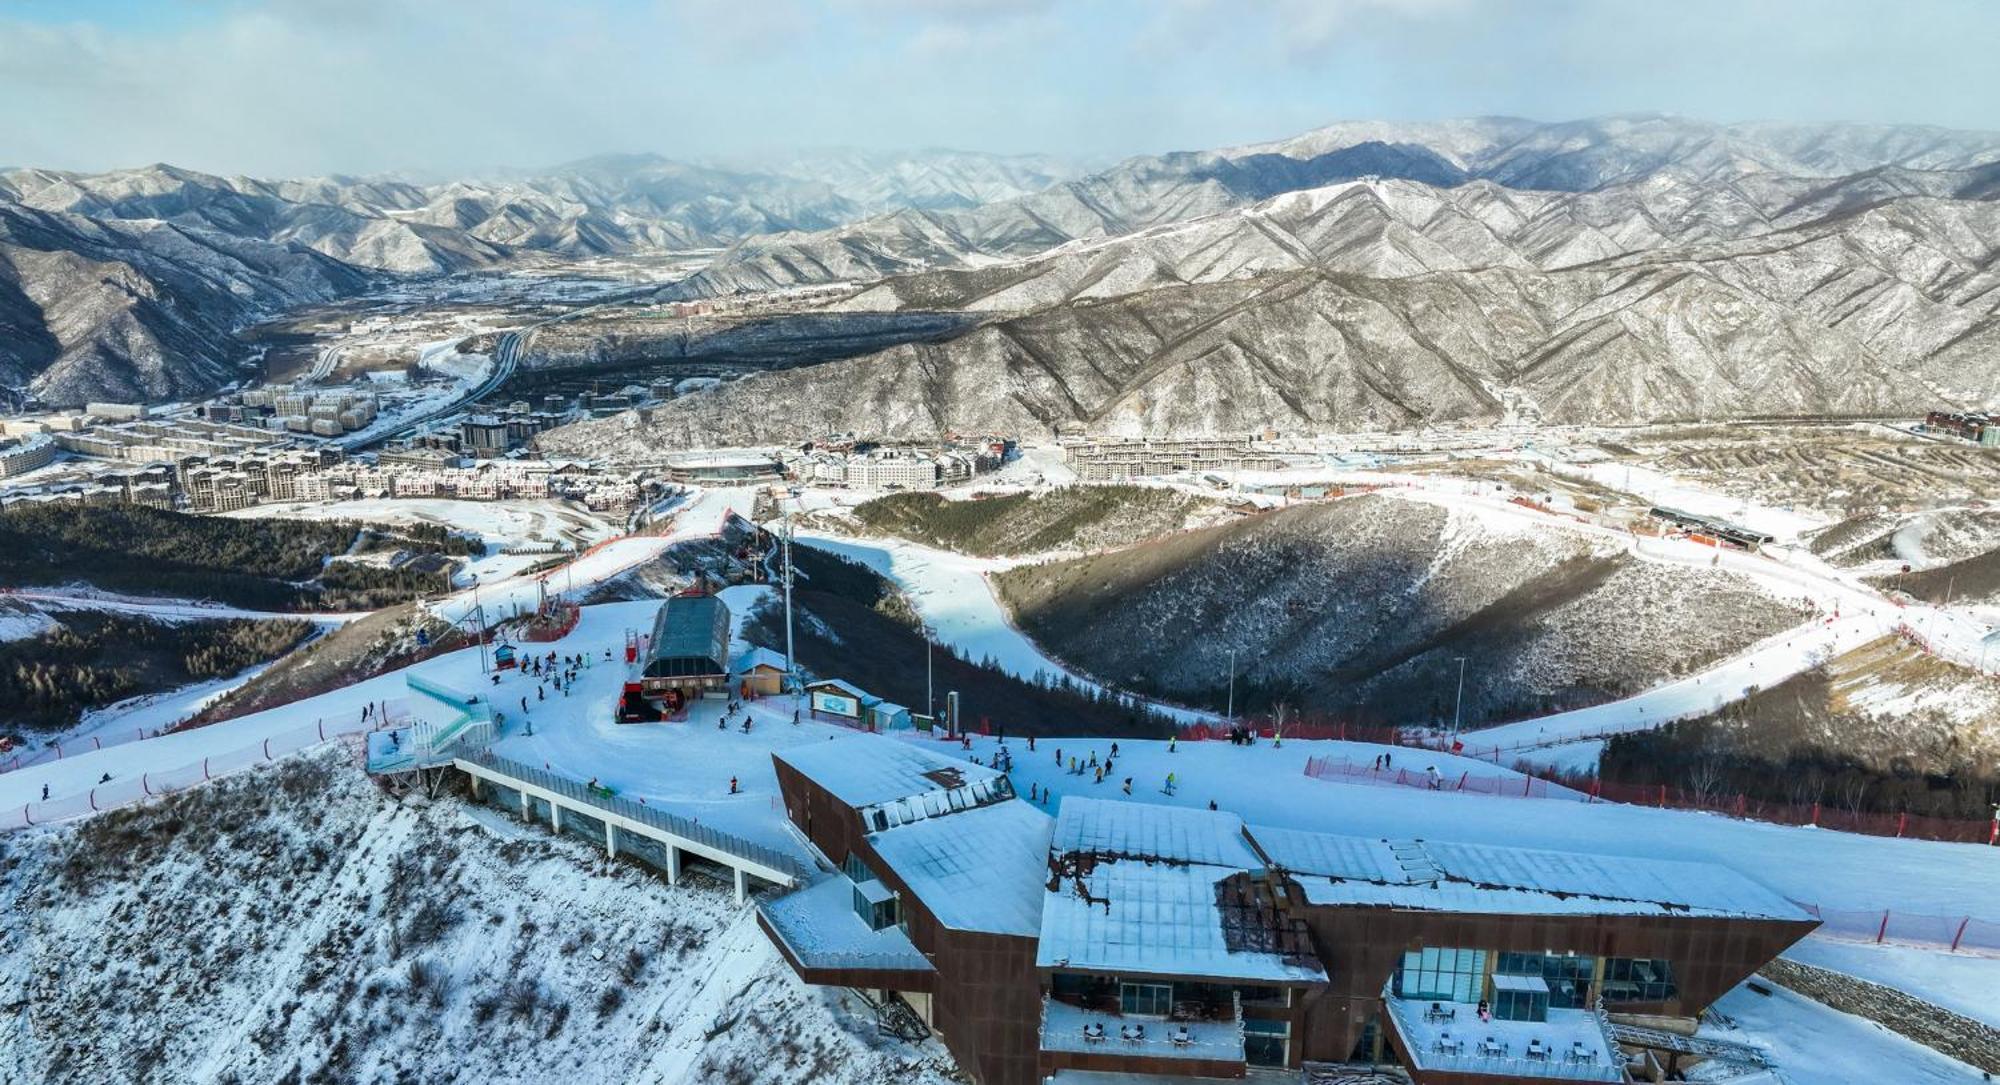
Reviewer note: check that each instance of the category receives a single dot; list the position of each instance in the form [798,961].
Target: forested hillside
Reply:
[1072,518]
[93,659]
[266,564]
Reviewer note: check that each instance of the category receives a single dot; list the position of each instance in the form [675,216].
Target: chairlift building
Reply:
[688,655]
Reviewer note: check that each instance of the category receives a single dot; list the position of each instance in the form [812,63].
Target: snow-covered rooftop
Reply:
[820,928]
[1132,830]
[1154,918]
[755,657]
[982,870]
[1435,876]
[864,770]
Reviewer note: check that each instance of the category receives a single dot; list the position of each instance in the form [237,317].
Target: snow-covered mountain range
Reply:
[128,284]
[1631,267]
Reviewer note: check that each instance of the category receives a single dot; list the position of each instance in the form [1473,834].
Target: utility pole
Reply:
[1458,702]
[930,699]
[479,624]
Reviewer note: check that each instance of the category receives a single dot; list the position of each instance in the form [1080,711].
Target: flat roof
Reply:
[978,870]
[1107,827]
[820,928]
[1429,875]
[865,770]
[1155,918]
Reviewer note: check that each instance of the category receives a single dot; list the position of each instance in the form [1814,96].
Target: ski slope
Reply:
[953,597]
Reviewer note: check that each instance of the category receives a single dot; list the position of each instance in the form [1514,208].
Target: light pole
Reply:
[1229,713]
[1459,701]
[930,699]
[791,661]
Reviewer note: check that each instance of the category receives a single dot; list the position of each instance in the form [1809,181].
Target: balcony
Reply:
[1079,1038]
[819,934]
[1448,1037]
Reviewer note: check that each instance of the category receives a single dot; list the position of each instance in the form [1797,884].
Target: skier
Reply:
[732,785]
[746,723]
[1114,749]
[1128,785]
[104,779]
[524,705]
[1211,804]
[496,678]
[45,792]
[1100,775]
[1093,759]
[1058,755]
[1031,744]
[795,717]
[1173,742]
[540,693]
[1169,789]
[1437,781]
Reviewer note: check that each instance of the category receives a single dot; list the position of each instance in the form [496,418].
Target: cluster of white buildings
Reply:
[487,480]
[320,413]
[897,467]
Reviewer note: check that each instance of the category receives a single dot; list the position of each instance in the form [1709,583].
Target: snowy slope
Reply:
[303,926]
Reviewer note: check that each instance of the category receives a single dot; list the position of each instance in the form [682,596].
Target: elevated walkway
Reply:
[443,722]
[661,837]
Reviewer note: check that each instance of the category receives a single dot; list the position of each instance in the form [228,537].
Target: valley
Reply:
[849,615]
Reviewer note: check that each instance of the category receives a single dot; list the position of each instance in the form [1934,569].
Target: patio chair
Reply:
[1492,1048]
[1182,1037]
[1537,1049]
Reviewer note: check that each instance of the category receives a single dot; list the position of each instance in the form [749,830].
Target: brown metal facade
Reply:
[1362,948]
[988,992]
[987,996]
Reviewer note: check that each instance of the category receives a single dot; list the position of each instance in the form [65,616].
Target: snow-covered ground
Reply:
[1812,1043]
[685,768]
[1959,982]
[702,515]
[501,525]
[953,597]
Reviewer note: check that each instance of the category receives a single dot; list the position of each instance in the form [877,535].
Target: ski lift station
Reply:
[686,657]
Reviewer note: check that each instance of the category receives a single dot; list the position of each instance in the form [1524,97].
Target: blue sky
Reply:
[291,87]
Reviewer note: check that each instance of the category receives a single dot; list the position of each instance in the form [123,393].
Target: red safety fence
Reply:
[1662,796]
[121,791]
[1950,933]
[21,757]
[1428,779]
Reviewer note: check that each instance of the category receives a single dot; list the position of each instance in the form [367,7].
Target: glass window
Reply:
[1568,976]
[856,870]
[1520,1005]
[1268,996]
[1265,1042]
[1149,998]
[1638,979]
[1444,973]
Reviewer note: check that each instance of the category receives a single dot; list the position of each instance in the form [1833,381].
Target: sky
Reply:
[436,87]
